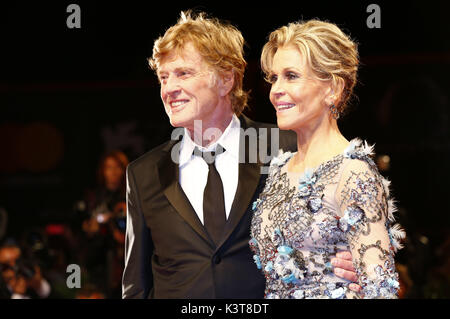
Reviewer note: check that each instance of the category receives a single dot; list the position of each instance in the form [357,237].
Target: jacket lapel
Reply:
[168,172]
[249,176]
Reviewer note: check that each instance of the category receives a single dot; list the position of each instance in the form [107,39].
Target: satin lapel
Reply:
[249,175]
[169,175]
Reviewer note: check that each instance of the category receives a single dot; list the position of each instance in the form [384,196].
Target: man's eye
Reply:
[183,73]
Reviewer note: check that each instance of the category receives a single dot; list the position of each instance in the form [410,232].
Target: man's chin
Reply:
[178,122]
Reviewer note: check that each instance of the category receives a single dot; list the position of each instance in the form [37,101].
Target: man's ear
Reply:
[334,92]
[226,82]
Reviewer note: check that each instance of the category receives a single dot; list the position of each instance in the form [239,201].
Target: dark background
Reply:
[69,95]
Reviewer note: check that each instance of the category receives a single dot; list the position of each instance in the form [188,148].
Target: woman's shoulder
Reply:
[359,169]
[358,164]
[359,155]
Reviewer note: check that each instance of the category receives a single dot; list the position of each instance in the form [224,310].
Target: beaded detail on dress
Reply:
[302,220]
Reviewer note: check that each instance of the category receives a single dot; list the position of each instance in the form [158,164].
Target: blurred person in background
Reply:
[104,225]
[21,277]
[105,201]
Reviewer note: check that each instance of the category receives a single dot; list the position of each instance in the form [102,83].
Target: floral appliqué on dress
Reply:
[302,220]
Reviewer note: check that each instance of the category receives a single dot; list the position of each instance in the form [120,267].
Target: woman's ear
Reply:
[334,93]
[226,82]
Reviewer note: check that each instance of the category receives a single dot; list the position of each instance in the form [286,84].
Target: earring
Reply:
[334,111]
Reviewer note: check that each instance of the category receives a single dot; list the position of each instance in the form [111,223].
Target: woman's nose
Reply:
[277,89]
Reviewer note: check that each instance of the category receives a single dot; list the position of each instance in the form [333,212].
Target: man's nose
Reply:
[171,86]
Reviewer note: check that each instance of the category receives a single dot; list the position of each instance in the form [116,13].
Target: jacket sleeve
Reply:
[137,279]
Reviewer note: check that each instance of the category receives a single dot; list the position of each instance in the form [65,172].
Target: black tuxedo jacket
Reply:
[167,249]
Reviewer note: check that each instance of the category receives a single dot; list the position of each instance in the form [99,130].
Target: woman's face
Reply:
[113,172]
[298,97]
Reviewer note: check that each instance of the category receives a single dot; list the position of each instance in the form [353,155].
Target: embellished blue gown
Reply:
[301,220]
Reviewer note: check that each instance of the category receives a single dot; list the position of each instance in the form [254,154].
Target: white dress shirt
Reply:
[194,170]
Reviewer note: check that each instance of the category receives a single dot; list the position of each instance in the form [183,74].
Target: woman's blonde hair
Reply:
[329,53]
[219,43]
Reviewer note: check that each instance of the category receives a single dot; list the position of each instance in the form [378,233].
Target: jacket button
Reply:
[217,260]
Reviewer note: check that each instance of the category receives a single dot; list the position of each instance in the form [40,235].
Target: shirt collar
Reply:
[229,140]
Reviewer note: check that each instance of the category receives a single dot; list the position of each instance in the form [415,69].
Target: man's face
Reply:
[190,90]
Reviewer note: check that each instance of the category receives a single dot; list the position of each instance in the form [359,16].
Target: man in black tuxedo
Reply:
[189,215]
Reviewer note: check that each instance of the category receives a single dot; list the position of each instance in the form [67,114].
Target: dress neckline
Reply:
[311,169]
[355,145]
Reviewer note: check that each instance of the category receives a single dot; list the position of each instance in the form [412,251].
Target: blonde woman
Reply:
[328,196]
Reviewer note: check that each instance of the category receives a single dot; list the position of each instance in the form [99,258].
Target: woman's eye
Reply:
[291,76]
[272,78]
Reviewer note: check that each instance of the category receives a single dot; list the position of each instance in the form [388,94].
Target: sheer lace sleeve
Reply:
[366,215]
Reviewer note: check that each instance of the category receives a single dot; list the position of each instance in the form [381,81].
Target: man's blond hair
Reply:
[220,44]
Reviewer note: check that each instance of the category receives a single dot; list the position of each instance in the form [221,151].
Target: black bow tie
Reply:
[209,157]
